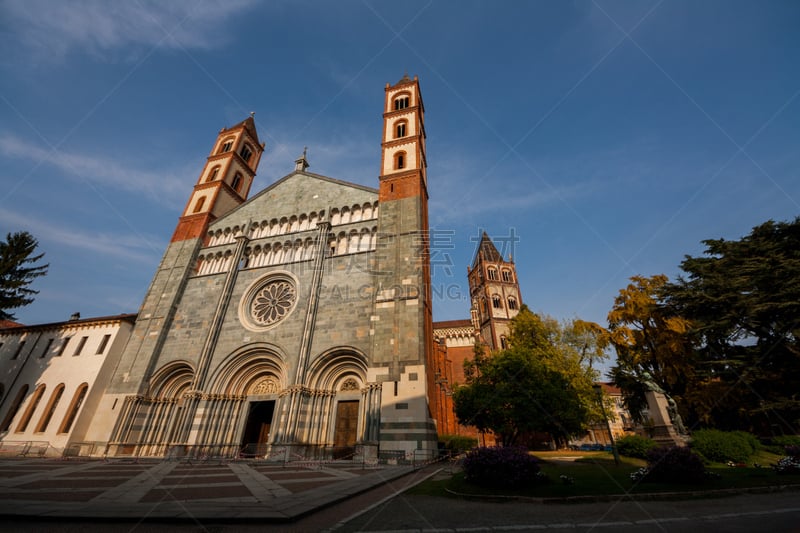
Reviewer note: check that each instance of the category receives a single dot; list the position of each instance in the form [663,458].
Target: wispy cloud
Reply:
[53,27]
[165,187]
[117,245]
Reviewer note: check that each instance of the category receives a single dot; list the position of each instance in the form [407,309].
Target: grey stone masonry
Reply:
[400,284]
[155,317]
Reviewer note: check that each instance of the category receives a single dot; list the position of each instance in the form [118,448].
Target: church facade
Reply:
[297,318]
[300,316]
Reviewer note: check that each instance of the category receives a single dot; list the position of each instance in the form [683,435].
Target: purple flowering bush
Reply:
[674,464]
[500,467]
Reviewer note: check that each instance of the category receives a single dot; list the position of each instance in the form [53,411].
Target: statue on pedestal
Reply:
[667,423]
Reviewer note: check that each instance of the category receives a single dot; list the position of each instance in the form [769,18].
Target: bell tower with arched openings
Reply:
[223,185]
[225,180]
[494,291]
[402,322]
[403,163]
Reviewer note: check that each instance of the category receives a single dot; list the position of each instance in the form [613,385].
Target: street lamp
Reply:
[599,391]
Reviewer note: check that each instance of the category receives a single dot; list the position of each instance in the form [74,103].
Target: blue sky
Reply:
[611,136]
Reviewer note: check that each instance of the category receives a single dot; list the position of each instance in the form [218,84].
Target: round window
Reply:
[268,301]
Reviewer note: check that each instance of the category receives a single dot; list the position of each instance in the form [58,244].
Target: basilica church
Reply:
[300,316]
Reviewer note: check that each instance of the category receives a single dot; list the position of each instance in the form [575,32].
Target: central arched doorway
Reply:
[255,436]
[255,377]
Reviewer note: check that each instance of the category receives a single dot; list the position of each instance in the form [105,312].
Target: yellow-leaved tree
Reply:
[651,341]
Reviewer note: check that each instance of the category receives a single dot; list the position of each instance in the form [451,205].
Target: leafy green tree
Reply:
[564,348]
[514,394]
[17,272]
[743,300]
[536,385]
[650,339]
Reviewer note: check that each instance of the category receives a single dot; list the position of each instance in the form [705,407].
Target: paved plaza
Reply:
[87,496]
[171,490]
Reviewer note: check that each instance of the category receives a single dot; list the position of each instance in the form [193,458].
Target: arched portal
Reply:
[244,398]
[162,409]
[339,412]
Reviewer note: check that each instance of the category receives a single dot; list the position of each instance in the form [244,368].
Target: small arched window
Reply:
[503,342]
[199,205]
[400,160]
[246,153]
[51,407]
[512,303]
[401,102]
[492,273]
[506,275]
[14,408]
[74,407]
[497,303]
[32,405]
[400,129]
[237,182]
[213,174]
[226,146]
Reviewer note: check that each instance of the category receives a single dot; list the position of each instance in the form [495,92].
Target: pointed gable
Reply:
[488,250]
[250,125]
[296,193]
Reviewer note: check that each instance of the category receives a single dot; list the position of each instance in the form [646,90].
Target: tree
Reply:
[568,349]
[589,339]
[514,394]
[536,385]
[17,272]
[743,300]
[650,339]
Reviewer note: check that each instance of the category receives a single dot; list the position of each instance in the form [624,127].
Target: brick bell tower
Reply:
[402,319]
[495,294]
[225,180]
[223,184]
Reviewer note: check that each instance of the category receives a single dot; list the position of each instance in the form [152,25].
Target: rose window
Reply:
[273,302]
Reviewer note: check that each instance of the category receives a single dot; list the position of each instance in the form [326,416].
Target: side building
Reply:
[52,377]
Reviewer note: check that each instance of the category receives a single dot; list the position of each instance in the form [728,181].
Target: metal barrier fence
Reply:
[83,449]
[31,448]
[308,455]
[172,452]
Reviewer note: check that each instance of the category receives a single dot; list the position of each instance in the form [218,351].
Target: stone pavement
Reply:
[88,496]
[170,490]
[410,513]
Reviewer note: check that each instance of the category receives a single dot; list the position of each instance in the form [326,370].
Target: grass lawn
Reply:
[594,473]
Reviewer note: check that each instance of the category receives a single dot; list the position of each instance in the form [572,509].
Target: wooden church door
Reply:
[346,428]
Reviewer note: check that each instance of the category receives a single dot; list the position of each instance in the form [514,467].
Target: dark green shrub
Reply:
[674,464]
[456,444]
[635,446]
[786,440]
[724,446]
[500,467]
[750,439]
[776,445]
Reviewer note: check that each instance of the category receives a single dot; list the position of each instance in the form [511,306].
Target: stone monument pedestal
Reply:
[663,430]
